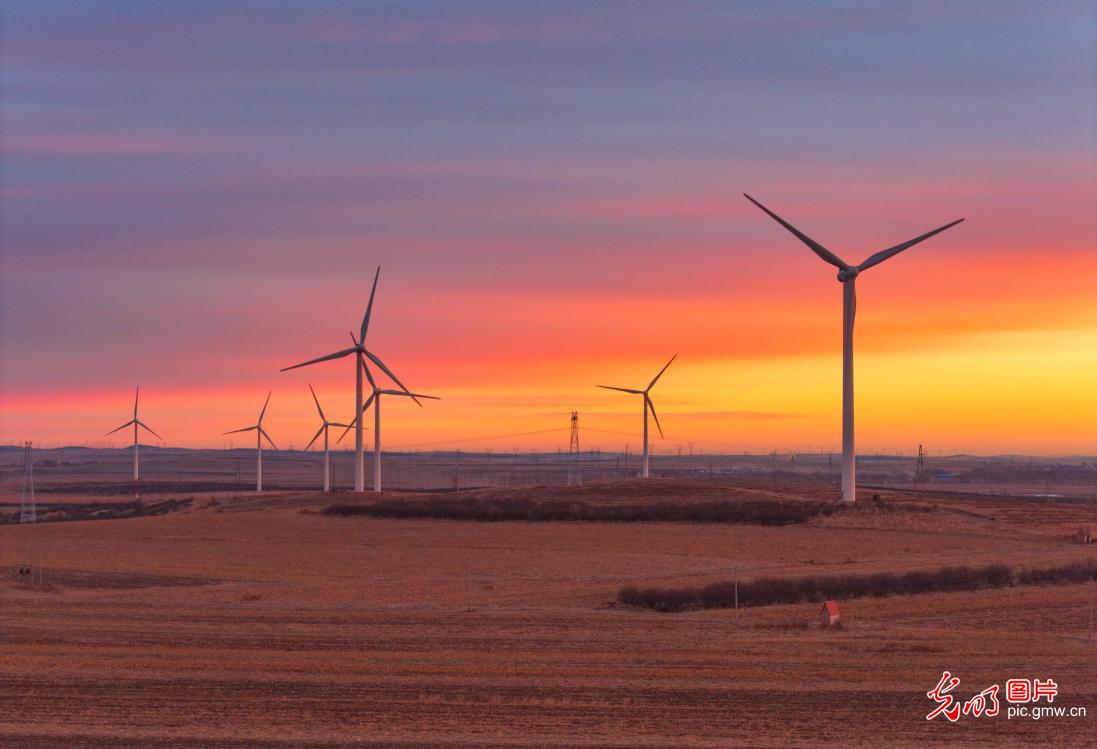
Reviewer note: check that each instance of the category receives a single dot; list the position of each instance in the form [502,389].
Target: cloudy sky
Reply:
[196,194]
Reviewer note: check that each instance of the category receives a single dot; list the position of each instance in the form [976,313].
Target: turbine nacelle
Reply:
[648,404]
[135,421]
[848,274]
[258,427]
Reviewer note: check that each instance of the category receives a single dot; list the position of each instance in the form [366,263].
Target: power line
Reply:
[478,439]
[607,431]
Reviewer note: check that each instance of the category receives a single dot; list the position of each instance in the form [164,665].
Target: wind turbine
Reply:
[260,433]
[136,423]
[375,401]
[648,405]
[324,424]
[847,274]
[360,354]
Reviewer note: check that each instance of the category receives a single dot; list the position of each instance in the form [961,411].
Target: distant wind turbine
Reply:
[847,274]
[260,433]
[375,401]
[324,424]
[360,354]
[136,423]
[648,405]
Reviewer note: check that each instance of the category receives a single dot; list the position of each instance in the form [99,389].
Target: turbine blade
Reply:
[136,395]
[368,403]
[349,427]
[317,400]
[409,395]
[369,307]
[245,429]
[373,357]
[147,428]
[817,248]
[315,437]
[265,404]
[652,407]
[336,355]
[623,390]
[664,369]
[112,431]
[262,432]
[369,375]
[338,424]
[883,255]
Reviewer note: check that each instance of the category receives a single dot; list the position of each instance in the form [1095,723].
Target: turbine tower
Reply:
[324,424]
[361,353]
[648,405]
[375,401]
[847,275]
[136,423]
[260,433]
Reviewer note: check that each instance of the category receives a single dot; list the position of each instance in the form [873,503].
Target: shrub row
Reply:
[771,590]
[48,513]
[496,510]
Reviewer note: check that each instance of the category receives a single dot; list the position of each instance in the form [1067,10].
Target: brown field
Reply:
[244,621]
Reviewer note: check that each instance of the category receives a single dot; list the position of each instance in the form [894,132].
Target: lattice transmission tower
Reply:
[920,468]
[28,513]
[575,474]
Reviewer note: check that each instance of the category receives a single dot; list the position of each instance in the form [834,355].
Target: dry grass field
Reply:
[257,621]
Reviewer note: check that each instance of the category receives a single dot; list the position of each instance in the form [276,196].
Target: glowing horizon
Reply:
[554,206]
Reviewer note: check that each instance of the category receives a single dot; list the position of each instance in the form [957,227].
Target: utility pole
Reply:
[28,511]
[920,468]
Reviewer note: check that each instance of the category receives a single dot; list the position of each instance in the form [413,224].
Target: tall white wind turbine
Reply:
[136,423]
[324,424]
[260,433]
[847,274]
[361,353]
[648,405]
[375,401]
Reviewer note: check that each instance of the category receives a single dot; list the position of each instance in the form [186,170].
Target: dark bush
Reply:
[518,509]
[765,591]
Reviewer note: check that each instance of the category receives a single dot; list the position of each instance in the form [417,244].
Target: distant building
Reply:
[1085,535]
[829,614]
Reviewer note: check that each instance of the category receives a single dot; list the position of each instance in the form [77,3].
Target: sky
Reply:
[196,194]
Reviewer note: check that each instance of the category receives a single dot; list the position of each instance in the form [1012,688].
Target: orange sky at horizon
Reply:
[978,394]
